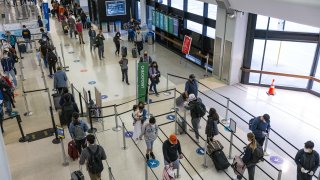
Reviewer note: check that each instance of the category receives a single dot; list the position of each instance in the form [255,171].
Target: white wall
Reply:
[4,166]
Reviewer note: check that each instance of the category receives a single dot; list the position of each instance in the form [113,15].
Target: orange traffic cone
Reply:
[272,90]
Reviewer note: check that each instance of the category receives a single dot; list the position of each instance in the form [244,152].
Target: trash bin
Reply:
[150,38]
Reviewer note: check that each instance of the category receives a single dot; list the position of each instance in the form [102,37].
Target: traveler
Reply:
[154,75]
[65,93]
[138,39]
[212,124]
[137,123]
[8,67]
[191,86]
[194,107]
[150,133]
[79,31]
[1,111]
[94,155]
[116,40]
[6,90]
[40,23]
[26,34]
[146,58]
[52,61]
[83,17]
[124,68]
[249,156]
[44,51]
[78,129]
[92,35]
[307,161]
[260,128]
[44,35]
[88,20]
[67,110]
[60,80]
[144,112]
[99,43]
[11,39]
[171,150]
[72,23]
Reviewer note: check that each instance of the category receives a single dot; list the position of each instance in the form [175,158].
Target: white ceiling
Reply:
[300,11]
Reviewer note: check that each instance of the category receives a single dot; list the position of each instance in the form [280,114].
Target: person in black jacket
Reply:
[8,67]
[195,116]
[67,110]
[191,86]
[65,92]
[92,35]
[116,40]
[171,150]
[52,61]
[154,75]
[307,161]
[212,124]
[26,34]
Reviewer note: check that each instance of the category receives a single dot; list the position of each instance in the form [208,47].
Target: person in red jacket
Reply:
[79,30]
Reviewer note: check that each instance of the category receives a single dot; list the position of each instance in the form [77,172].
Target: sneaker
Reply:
[128,83]
[147,156]
[191,130]
[157,94]
[152,155]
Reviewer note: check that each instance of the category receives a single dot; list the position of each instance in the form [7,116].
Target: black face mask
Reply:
[141,107]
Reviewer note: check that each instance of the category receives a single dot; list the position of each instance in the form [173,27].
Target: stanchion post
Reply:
[72,89]
[124,136]
[65,162]
[56,140]
[28,112]
[205,154]
[266,144]
[117,128]
[280,174]
[92,130]
[110,173]
[148,105]
[207,64]
[167,93]
[81,108]
[175,111]
[231,144]
[64,62]
[23,137]
[225,121]
[178,172]
[146,171]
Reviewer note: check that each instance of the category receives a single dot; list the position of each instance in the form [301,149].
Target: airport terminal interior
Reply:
[249,58]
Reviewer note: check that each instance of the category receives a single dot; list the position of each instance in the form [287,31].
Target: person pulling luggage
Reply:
[212,124]
[78,129]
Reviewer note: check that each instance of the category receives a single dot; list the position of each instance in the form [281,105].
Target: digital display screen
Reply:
[154,18]
[60,132]
[170,25]
[165,23]
[115,8]
[175,27]
[157,19]
[161,21]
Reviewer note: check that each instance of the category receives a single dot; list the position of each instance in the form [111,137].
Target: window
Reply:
[256,61]
[282,25]
[211,32]
[262,22]
[165,2]
[178,4]
[212,11]
[195,7]
[193,26]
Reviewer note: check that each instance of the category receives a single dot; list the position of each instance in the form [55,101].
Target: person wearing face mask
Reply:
[8,67]
[99,43]
[150,133]
[26,35]
[92,35]
[191,86]
[307,161]
[11,39]
[154,75]
[116,40]
[146,58]
[144,112]
[138,39]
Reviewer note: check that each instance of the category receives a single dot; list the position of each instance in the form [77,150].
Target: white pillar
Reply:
[4,170]
[143,9]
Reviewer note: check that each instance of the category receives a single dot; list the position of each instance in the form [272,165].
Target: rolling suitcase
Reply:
[72,150]
[214,146]
[182,126]
[134,53]
[56,99]
[124,51]
[77,175]
[220,160]
[238,166]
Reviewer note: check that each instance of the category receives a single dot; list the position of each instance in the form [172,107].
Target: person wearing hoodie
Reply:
[150,133]
[212,124]
[60,80]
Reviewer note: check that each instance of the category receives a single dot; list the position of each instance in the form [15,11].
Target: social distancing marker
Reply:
[91,82]
[153,163]
[171,117]
[128,134]
[276,159]
[83,70]
[200,151]
[104,96]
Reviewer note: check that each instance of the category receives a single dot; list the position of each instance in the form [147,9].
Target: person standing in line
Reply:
[60,80]
[44,35]
[249,156]
[26,36]
[44,51]
[154,75]
[144,112]
[78,129]
[99,41]
[191,86]
[146,58]
[83,17]
[52,61]
[261,127]
[94,155]
[72,23]
[137,114]
[307,161]
[195,115]
[79,31]
[1,111]
[8,67]
[11,39]
[7,95]
[212,124]
[124,68]
[92,35]
[139,40]
[171,150]
[40,23]
[150,133]
[64,94]
[116,40]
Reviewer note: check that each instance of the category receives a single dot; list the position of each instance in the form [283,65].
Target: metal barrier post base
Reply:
[23,139]
[116,128]
[65,164]
[266,154]
[27,113]
[92,130]
[66,68]
[204,166]
[224,121]
[56,141]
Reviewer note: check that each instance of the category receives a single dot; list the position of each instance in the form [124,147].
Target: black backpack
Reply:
[201,109]
[95,163]
[257,154]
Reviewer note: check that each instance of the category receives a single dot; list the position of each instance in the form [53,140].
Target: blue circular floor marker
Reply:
[91,82]
[76,61]
[171,117]
[128,134]
[227,128]
[200,151]
[153,163]
[276,159]
[104,96]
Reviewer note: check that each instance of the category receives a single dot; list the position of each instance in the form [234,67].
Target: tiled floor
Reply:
[43,160]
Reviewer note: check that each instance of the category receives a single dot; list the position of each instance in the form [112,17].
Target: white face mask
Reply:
[307,150]
[5,55]
[153,125]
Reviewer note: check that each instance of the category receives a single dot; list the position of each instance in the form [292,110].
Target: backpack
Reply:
[257,154]
[201,109]
[251,123]
[79,133]
[95,165]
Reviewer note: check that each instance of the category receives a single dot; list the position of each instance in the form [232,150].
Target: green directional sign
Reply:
[142,80]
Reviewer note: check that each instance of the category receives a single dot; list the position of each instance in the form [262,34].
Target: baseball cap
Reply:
[191,97]
[173,139]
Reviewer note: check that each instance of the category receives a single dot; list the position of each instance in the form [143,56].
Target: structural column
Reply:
[4,170]
[143,11]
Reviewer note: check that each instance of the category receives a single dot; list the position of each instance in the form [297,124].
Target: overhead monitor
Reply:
[116,8]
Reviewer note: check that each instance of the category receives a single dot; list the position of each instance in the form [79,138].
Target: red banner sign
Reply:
[186,44]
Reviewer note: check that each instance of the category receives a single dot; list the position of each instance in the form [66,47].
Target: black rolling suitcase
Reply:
[134,52]
[124,51]
[220,160]
[77,175]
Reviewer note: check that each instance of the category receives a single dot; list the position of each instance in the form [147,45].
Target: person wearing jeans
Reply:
[8,67]
[92,35]
[154,75]
[124,68]
[195,117]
